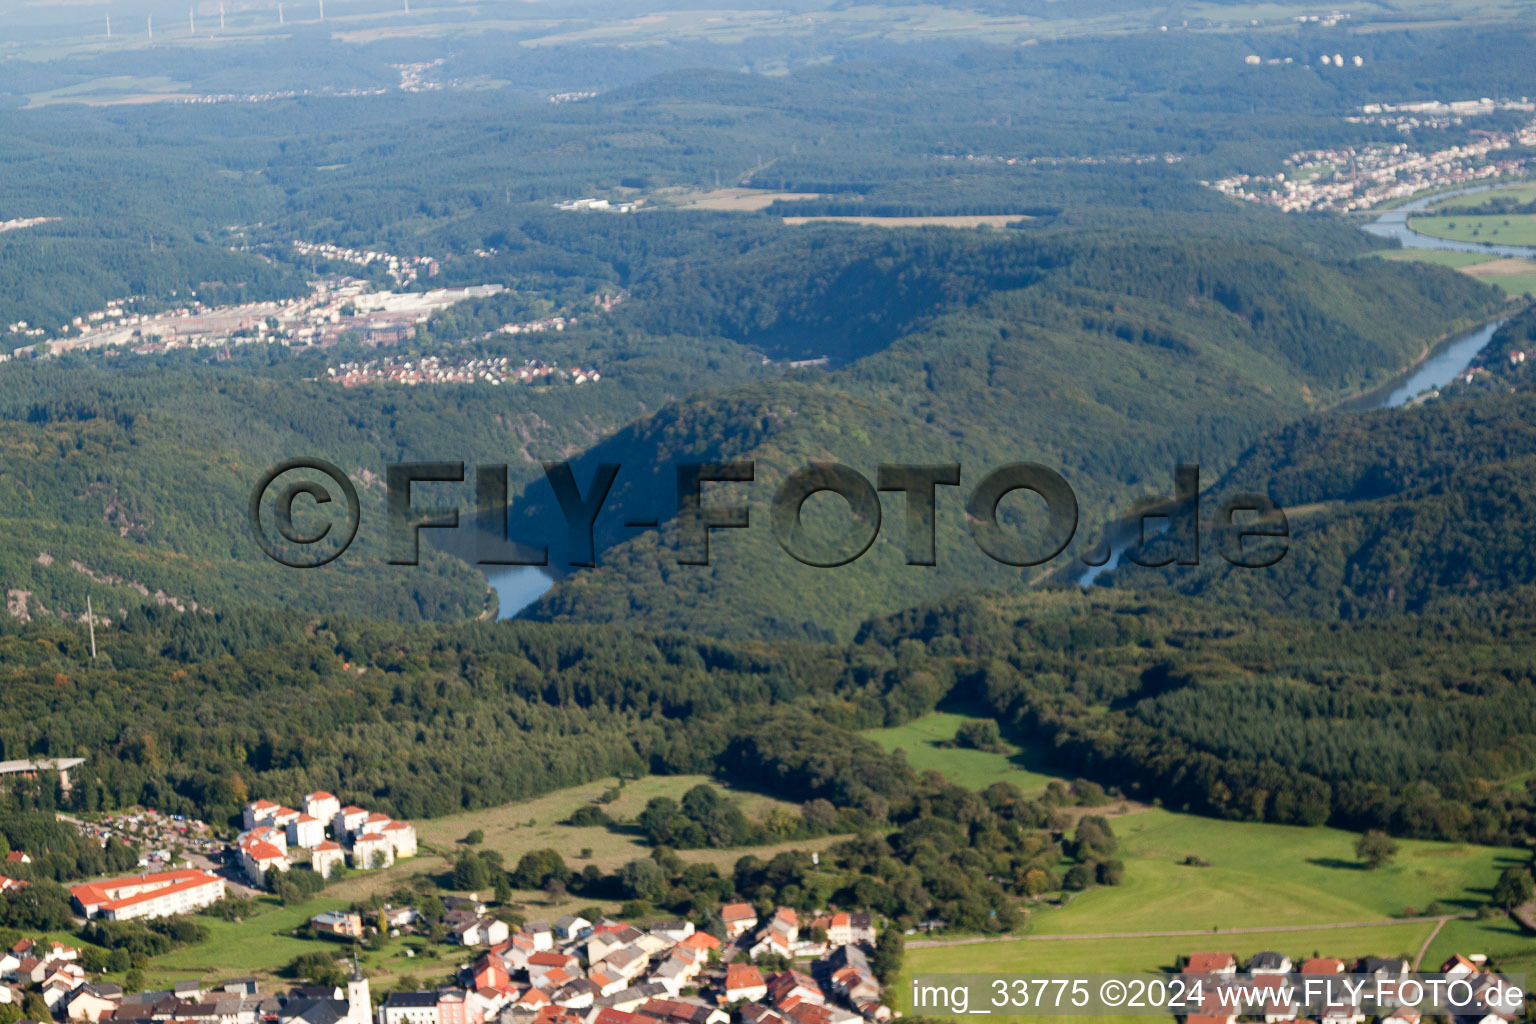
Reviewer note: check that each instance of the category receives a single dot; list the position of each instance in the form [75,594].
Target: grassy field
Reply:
[1265,875]
[976,769]
[1508,946]
[1139,955]
[1514,276]
[259,945]
[1524,192]
[1510,229]
[1439,257]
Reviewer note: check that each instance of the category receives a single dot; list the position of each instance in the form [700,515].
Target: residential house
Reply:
[571,927]
[629,963]
[257,857]
[7,884]
[540,965]
[1224,964]
[1269,962]
[371,850]
[347,821]
[1393,968]
[305,831]
[539,931]
[455,1007]
[337,924]
[93,1001]
[18,857]
[1322,965]
[676,972]
[790,987]
[682,1011]
[326,857]
[285,816]
[606,985]
[744,983]
[632,998]
[479,931]
[739,919]
[409,1008]
[259,812]
[402,836]
[698,946]
[673,931]
[321,805]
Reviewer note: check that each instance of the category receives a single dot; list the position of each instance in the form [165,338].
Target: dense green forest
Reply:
[1412,724]
[1392,511]
[1131,319]
[1108,360]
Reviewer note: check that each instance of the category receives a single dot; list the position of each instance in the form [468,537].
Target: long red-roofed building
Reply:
[159,895]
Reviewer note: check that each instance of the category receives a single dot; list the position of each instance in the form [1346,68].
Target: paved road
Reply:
[1379,922]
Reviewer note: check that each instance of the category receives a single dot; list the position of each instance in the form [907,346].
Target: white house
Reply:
[321,805]
[402,836]
[257,856]
[259,812]
[348,820]
[325,857]
[372,850]
[306,832]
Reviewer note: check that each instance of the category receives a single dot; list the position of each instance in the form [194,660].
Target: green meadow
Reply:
[1266,875]
[1501,229]
[927,742]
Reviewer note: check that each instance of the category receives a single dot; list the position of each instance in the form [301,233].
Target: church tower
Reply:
[359,1008]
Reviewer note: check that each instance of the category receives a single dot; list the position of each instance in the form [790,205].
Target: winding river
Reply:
[1440,368]
[517,588]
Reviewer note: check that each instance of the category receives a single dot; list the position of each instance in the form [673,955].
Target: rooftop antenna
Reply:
[90,618]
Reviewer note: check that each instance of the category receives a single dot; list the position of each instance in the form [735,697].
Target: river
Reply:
[1439,369]
[519,586]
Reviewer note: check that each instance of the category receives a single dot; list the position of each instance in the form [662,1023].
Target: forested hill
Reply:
[1412,724]
[1108,359]
[1391,511]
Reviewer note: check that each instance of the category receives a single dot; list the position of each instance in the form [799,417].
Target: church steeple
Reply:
[359,1005]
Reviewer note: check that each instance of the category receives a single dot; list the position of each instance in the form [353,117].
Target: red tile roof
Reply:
[117,893]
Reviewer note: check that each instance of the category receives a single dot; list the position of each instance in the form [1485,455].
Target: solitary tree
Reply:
[1376,849]
[1513,888]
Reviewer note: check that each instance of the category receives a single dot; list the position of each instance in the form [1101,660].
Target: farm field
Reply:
[996,220]
[734,200]
[975,769]
[1514,276]
[1262,875]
